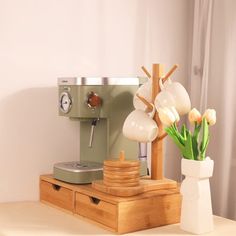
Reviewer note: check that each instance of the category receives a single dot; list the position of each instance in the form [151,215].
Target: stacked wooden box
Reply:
[118,214]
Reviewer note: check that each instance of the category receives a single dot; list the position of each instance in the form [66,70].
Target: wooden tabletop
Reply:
[34,218]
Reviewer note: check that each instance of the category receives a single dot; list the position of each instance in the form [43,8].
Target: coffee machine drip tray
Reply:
[77,172]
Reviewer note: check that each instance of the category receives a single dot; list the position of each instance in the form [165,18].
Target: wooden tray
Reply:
[146,185]
[117,191]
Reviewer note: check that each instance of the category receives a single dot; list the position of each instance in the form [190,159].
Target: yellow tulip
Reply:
[175,113]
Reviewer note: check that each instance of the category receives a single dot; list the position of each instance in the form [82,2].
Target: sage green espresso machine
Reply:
[101,105]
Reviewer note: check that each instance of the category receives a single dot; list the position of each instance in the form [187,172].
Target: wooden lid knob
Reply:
[121,162]
[122,156]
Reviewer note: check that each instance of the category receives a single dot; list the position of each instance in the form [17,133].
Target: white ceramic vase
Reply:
[196,209]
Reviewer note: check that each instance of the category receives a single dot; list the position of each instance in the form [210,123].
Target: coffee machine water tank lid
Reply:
[98,81]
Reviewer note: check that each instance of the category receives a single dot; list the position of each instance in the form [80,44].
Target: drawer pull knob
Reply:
[94,200]
[56,187]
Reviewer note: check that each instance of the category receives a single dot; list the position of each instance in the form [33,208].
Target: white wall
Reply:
[43,39]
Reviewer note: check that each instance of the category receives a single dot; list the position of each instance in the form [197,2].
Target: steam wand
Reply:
[93,125]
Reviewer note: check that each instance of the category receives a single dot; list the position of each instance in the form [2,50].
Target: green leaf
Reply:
[195,136]
[183,132]
[170,131]
[188,149]
[203,155]
[178,134]
[197,130]
[195,147]
[205,134]
[204,148]
[205,138]
[174,132]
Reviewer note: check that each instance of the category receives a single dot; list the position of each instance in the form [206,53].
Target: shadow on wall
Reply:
[172,160]
[33,137]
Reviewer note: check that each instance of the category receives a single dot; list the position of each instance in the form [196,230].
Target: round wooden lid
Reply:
[120,169]
[121,162]
[121,177]
[123,173]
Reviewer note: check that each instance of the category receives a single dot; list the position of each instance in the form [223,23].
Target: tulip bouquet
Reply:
[192,145]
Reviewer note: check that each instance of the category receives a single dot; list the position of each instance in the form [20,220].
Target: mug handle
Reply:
[152,113]
[162,86]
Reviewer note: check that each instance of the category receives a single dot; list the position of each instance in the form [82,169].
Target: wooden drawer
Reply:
[97,210]
[119,214]
[57,195]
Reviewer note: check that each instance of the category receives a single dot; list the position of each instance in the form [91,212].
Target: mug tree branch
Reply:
[146,72]
[171,71]
[162,136]
[145,102]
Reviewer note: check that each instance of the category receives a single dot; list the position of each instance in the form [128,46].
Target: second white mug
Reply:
[138,126]
[145,90]
[173,94]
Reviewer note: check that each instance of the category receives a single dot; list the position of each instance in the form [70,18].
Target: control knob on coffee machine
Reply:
[93,100]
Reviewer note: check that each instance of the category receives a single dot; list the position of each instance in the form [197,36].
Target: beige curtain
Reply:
[200,53]
[213,85]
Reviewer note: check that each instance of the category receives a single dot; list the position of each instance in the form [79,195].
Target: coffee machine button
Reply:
[93,100]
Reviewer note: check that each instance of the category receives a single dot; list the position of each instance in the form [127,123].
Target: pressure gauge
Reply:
[65,102]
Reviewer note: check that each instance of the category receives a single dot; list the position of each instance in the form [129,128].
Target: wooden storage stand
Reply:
[119,214]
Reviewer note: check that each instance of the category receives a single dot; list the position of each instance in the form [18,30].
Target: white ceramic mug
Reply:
[145,90]
[173,94]
[164,99]
[139,126]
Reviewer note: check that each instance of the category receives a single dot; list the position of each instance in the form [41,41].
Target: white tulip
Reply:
[194,116]
[210,115]
[166,116]
[176,114]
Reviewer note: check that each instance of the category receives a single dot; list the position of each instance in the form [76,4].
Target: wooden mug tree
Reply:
[157,181]
[157,144]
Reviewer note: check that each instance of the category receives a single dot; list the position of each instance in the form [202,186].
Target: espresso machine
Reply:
[101,105]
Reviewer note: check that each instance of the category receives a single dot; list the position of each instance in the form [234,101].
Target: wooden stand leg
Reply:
[157,145]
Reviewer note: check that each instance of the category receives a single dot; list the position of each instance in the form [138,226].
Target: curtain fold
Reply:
[213,85]
[200,53]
